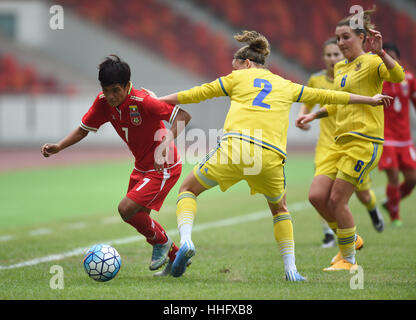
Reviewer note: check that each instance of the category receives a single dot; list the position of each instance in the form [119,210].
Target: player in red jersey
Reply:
[399,154]
[137,118]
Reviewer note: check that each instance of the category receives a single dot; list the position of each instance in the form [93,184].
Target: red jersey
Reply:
[396,116]
[138,121]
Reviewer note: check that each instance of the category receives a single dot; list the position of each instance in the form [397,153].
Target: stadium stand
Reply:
[301,39]
[156,26]
[194,46]
[18,78]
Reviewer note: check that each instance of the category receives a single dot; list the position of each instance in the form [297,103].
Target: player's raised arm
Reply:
[390,69]
[75,136]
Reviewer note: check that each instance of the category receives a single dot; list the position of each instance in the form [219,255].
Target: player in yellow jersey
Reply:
[253,147]
[359,132]
[325,80]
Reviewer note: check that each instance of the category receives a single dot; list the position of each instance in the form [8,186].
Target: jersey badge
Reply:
[358,66]
[135,116]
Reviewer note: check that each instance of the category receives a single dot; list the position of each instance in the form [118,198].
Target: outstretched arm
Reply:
[75,136]
[218,88]
[171,98]
[310,95]
[376,100]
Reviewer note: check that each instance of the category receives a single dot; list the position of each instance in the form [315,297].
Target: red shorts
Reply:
[150,188]
[401,158]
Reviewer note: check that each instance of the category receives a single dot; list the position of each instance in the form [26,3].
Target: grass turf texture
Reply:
[56,210]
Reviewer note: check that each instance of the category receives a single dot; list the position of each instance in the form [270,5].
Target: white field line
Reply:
[39,232]
[76,225]
[6,238]
[198,227]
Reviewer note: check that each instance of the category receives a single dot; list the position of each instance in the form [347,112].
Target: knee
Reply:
[318,200]
[126,210]
[411,180]
[123,211]
[335,202]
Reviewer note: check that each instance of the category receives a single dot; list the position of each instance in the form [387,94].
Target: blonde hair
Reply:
[257,48]
[367,24]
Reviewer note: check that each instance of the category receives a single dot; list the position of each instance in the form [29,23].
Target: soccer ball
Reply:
[102,262]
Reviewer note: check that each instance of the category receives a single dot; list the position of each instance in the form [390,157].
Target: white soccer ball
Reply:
[102,262]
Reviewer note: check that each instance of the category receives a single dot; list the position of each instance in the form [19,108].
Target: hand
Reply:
[375,42]
[303,120]
[160,158]
[159,165]
[49,149]
[150,93]
[304,127]
[380,99]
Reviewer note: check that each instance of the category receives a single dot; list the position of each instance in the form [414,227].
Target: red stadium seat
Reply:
[16,78]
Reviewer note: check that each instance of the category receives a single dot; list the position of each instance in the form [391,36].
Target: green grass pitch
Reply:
[47,217]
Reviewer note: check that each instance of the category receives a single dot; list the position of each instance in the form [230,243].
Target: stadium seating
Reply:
[193,46]
[17,78]
[299,28]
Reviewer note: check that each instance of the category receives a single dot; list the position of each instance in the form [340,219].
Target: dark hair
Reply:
[367,25]
[113,71]
[257,48]
[392,47]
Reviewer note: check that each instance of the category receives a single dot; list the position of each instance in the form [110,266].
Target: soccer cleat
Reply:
[160,254]
[294,276]
[342,265]
[168,269]
[185,252]
[384,205]
[359,244]
[377,219]
[397,223]
[328,241]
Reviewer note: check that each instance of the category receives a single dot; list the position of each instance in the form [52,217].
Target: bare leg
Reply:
[319,194]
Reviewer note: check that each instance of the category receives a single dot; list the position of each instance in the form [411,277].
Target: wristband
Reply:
[382,54]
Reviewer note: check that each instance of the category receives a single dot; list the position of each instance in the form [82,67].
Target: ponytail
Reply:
[257,48]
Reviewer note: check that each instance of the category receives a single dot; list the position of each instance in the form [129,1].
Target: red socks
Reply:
[151,230]
[393,199]
[147,227]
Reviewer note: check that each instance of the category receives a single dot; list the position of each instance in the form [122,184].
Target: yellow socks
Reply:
[346,243]
[186,208]
[283,233]
[333,226]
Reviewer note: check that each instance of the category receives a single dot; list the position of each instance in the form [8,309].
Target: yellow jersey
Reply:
[326,125]
[364,75]
[260,104]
